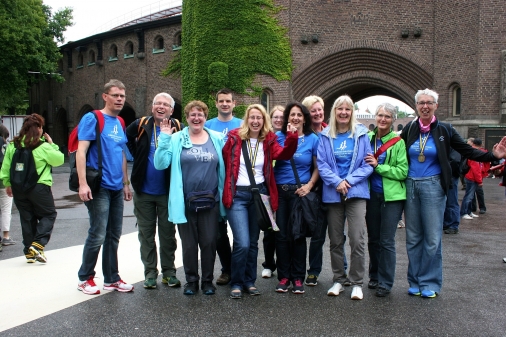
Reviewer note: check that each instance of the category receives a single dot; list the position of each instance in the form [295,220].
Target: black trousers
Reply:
[37,214]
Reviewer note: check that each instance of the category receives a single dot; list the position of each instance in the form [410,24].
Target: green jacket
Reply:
[44,154]
[395,169]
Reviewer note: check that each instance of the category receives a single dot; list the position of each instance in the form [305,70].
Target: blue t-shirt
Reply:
[430,167]
[376,179]
[112,140]
[154,183]
[343,151]
[224,127]
[303,158]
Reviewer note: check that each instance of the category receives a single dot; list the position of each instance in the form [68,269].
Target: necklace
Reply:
[423,142]
[252,156]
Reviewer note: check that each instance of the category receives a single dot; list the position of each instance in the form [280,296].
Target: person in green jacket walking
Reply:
[36,206]
[388,193]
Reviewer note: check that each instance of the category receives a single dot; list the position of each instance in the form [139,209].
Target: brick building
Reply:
[361,48]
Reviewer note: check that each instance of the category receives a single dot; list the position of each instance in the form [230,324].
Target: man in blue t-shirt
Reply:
[151,188]
[105,206]
[225,122]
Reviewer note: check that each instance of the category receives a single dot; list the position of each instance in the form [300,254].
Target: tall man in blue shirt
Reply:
[225,122]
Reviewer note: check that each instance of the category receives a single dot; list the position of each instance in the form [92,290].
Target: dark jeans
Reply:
[200,231]
[223,248]
[291,254]
[465,208]
[106,223]
[382,218]
[452,210]
[480,196]
[150,211]
[37,215]
[269,242]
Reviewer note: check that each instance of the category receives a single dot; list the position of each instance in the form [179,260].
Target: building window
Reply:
[129,50]
[177,42]
[265,98]
[80,60]
[158,46]
[456,100]
[91,58]
[113,53]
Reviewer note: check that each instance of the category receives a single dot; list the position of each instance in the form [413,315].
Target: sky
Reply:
[93,16]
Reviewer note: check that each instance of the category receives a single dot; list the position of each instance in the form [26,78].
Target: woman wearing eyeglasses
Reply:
[261,149]
[428,142]
[197,173]
[388,192]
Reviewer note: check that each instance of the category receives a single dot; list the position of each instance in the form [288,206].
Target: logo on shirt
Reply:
[225,131]
[200,154]
[115,130]
[342,146]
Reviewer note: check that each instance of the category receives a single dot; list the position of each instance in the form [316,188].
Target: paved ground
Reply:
[43,300]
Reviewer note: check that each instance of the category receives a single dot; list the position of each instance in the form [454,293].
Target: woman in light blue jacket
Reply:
[195,157]
[341,151]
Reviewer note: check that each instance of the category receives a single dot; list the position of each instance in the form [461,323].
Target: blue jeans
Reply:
[424,210]
[465,208]
[106,222]
[243,221]
[382,218]
[452,210]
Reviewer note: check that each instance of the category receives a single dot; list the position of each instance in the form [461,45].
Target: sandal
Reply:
[236,293]
[253,291]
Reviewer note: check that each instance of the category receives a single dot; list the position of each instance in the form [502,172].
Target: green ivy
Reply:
[227,45]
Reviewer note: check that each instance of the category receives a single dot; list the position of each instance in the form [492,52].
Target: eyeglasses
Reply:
[387,117]
[165,104]
[197,116]
[117,96]
[423,103]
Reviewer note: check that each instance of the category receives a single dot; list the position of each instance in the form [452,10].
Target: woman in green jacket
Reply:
[36,206]
[388,193]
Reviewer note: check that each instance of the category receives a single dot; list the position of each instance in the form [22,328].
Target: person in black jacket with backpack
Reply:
[151,188]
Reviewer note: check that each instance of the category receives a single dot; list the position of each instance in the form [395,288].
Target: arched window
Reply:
[80,60]
[177,44]
[158,46]
[113,53]
[91,57]
[129,50]
[265,99]
[456,100]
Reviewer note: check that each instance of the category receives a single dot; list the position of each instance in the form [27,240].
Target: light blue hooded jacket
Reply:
[359,170]
[168,154]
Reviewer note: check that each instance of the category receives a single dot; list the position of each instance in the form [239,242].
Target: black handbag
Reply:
[93,176]
[263,219]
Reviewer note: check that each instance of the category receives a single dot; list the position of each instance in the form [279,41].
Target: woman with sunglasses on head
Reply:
[262,149]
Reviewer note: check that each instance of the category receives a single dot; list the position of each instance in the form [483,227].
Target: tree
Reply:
[228,45]
[29,33]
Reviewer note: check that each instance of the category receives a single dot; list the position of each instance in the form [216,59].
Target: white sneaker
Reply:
[335,290]
[504,259]
[356,293]
[467,217]
[401,224]
[88,287]
[120,286]
[266,273]
[474,215]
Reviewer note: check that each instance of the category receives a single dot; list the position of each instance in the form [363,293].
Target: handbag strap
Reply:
[249,168]
[385,146]
[295,173]
[98,140]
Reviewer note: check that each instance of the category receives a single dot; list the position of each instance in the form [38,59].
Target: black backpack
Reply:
[464,166]
[23,173]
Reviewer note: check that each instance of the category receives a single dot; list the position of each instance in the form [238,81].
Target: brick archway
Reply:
[362,69]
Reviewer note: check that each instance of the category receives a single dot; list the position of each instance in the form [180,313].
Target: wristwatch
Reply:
[126,182]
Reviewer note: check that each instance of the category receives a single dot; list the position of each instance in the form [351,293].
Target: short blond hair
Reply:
[310,100]
[201,106]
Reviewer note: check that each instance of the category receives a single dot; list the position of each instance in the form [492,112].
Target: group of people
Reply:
[201,176]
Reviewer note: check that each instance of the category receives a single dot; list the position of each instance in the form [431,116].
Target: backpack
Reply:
[23,172]
[144,120]
[73,144]
[464,166]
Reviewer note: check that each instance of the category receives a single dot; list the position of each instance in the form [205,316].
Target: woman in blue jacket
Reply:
[342,148]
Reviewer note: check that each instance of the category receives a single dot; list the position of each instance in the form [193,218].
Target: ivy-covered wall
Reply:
[225,44]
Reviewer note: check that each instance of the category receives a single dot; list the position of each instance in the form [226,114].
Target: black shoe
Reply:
[347,282]
[451,231]
[445,228]
[191,288]
[382,292]
[208,288]
[482,211]
[373,284]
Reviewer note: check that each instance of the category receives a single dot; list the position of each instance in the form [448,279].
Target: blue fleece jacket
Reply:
[359,170]
[168,154]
